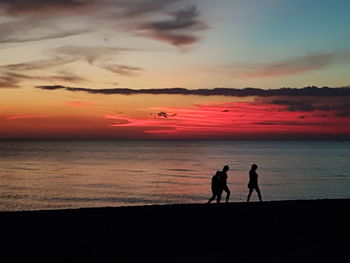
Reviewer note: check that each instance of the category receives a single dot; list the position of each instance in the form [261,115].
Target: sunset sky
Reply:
[171,69]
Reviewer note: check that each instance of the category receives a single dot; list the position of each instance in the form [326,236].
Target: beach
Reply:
[278,231]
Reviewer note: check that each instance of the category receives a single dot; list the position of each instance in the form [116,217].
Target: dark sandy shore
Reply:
[281,231]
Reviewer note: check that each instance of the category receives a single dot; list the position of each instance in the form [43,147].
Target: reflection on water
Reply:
[70,174]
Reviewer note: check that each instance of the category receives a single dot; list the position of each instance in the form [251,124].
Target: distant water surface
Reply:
[72,174]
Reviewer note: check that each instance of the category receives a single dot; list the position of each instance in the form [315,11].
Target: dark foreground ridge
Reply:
[281,231]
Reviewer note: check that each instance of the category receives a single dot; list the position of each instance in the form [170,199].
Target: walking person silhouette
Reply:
[216,188]
[219,184]
[224,182]
[253,182]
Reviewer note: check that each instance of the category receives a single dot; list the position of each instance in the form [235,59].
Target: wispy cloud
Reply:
[39,64]
[290,66]
[120,7]
[20,7]
[10,79]
[59,57]
[130,16]
[7,84]
[65,77]
[35,29]
[99,57]
[68,54]
[89,54]
[122,69]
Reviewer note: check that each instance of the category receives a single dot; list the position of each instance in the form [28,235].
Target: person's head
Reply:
[254,167]
[226,168]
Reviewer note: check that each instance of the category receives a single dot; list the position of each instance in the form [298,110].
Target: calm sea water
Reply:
[72,174]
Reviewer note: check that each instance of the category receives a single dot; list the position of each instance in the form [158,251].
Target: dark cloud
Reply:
[183,18]
[331,102]
[175,39]
[308,104]
[178,30]
[344,113]
[53,87]
[295,105]
[334,101]
[307,91]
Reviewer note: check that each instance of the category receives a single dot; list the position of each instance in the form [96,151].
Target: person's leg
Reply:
[218,198]
[249,194]
[211,199]
[214,193]
[227,193]
[259,193]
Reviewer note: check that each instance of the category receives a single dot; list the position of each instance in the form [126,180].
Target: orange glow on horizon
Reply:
[72,115]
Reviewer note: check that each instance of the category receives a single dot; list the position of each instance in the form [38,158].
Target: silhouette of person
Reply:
[253,182]
[219,184]
[216,188]
[223,182]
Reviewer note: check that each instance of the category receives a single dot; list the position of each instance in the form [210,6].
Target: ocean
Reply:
[57,174]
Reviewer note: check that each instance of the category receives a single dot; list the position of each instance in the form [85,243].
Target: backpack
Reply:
[216,179]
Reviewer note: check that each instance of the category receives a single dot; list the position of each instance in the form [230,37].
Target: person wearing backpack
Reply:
[216,188]
[219,184]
